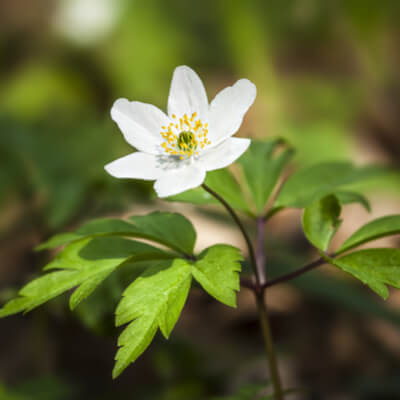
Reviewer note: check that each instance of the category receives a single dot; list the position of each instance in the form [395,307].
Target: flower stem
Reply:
[257,264]
[269,346]
[263,314]
[242,229]
[260,256]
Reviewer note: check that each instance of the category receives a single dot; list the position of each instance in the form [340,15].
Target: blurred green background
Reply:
[328,81]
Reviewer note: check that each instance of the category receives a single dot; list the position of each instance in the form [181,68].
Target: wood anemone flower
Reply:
[176,150]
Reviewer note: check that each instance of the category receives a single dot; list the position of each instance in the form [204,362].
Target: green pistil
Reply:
[186,141]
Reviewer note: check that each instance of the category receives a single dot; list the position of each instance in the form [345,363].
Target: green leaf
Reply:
[60,239]
[153,300]
[262,167]
[374,267]
[87,263]
[347,197]
[378,228]
[170,229]
[321,221]
[312,183]
[223,183]
[87,288]
[217,271]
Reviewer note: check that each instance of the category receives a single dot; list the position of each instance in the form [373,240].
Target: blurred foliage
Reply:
[328,82]
[49,387]
[58,168]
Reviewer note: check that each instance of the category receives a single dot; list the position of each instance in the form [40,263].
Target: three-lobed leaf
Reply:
[169,229]
[378,228]
[155,299]
[262,165]
[321,221]
[374,267]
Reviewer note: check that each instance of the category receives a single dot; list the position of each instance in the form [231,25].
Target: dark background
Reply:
[327,74]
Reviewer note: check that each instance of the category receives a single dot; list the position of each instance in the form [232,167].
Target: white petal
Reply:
[228,108]
[140,124]
[136,166]
[179,180]
[224,154]
[187,94]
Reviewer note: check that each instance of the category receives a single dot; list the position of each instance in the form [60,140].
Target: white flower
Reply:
[177,149]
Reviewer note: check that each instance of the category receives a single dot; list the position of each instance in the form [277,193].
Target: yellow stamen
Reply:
[183,136]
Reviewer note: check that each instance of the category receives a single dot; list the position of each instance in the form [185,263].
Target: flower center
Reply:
[184,136]
[186,141]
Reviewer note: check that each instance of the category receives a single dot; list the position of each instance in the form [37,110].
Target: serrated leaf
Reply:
[217,271]
[153,300]
[321,221]
[170,229]
[347,197]
[378,228]
[262,167]
[223,183]
[86,289]
[173,307]
[312,183]
[374,267]
[86,262]
[133,341]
